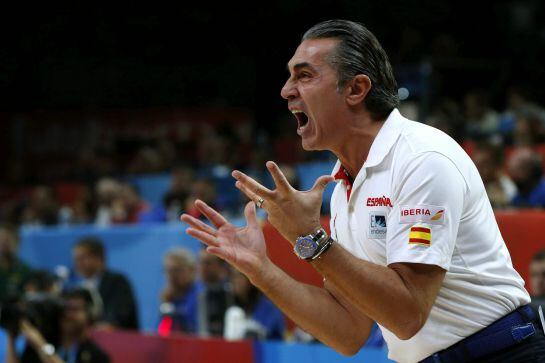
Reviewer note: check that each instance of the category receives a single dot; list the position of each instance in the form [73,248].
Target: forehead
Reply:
[312,52]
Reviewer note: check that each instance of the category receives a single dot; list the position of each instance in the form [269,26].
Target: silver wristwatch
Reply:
[313,245]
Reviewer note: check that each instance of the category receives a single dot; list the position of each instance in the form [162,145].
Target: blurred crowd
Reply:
[507,146]
[201,296]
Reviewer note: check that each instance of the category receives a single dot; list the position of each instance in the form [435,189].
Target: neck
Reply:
[354,148]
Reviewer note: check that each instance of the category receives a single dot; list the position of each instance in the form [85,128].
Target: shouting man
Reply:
[414,244]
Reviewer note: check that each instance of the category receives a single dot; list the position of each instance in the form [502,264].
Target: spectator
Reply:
[200,189]
[13,272]
[179,298]
[127,206]
[537,279]
[111,291]
[42,208]
[500,188]
[75,344]
[529,128]
[262,319]
[106,190]
[525,169]
[482,120]
[215,297]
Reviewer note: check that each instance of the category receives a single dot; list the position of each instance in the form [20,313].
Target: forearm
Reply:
[378,291]
[315,310]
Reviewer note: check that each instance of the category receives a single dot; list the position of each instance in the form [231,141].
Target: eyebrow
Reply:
[299,66]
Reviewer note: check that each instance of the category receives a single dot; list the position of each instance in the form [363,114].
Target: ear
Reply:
[358,88]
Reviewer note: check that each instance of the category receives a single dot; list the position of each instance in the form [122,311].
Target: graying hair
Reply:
[359,52]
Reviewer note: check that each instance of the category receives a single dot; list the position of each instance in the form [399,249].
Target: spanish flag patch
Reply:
[420,235]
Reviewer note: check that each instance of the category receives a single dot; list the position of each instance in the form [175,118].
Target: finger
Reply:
[250,214]
[279,179]
[321,183]
[198,224]
[220,252]
[252,185]
[217,219]
[204,237]
[251,195]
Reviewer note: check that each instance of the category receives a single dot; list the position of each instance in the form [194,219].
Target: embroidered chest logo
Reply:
[379,202]
[377,226]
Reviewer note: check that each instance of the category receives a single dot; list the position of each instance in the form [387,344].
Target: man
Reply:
[501,190]
[111,291]
[215,296]
[75,345]
[525,168]
[13,272]
[537,279]
[414,244]
[179,298]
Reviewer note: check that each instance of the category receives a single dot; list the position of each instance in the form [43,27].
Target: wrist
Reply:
[264,275]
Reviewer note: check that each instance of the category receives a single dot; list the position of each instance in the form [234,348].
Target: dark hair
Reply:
[42,280]
[495,151]
[539,256]
[93,245]
[359,52]
[81,294]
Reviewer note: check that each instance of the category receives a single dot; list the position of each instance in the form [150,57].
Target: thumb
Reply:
[250,214]
[321,183]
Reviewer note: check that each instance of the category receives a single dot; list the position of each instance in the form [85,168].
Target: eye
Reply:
[303,75]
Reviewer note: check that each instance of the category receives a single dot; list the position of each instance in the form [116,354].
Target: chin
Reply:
[311,145]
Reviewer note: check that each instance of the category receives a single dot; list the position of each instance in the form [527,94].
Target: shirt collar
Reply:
[381,146]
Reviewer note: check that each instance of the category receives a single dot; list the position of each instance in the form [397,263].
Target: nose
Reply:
[289,91]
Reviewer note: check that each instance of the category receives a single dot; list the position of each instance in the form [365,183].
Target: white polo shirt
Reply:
[419,199]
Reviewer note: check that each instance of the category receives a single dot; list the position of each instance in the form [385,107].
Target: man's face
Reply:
[537,278]
[485,165]
[179,275]
[313,97]
[211,268]
[74,318]
[87,265]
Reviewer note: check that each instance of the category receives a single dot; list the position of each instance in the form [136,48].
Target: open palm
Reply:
[242,247]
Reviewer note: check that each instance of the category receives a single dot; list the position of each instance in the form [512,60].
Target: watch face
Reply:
[306,247]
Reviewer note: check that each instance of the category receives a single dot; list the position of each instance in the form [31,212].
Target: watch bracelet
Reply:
[322,249]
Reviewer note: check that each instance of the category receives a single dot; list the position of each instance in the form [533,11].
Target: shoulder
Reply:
[426,152]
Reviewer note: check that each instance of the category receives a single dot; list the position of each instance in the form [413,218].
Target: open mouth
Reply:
[302,118]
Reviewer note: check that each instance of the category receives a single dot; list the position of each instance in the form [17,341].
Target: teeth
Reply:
[296,111]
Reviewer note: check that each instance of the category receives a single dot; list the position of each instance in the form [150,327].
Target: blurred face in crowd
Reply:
[8,243]
[240,284]
[484,162]
[75,317]
[180,274]
[212,268]
[313,96]
[537,277]
[87,264]
[521,166]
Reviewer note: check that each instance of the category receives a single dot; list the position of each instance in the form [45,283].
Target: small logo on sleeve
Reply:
[422,213]
[420,234]
[377,226]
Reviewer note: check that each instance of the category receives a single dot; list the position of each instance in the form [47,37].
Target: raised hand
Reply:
[292,212]
[244,248]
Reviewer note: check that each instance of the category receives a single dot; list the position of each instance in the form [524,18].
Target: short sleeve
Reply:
[429,193]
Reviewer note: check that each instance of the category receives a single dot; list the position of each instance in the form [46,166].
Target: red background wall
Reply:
[523,232]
